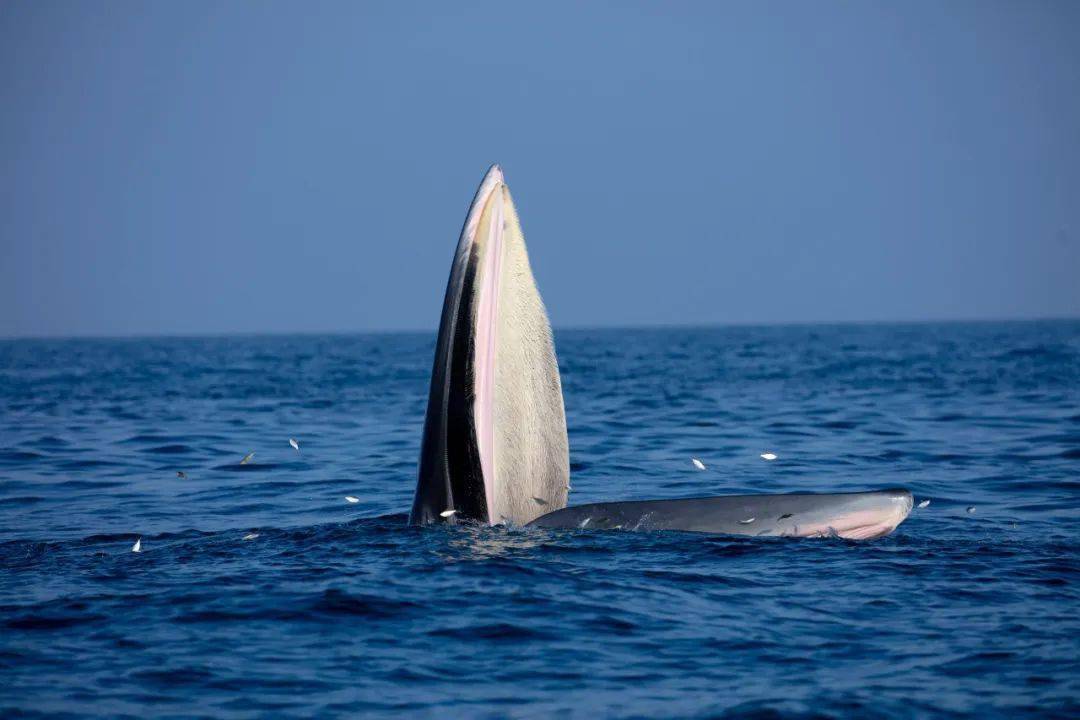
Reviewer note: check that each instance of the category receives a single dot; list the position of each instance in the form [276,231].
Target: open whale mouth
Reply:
[494,447]
[487,243]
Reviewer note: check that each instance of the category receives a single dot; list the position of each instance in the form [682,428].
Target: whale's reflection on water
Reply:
[476,541]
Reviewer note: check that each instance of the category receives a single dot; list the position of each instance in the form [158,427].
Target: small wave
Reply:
[492,632]
[19,456]
[173,449]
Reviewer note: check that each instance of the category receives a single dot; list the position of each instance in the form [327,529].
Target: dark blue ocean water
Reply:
[339,608]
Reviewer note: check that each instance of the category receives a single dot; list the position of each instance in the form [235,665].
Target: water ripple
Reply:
[260,591]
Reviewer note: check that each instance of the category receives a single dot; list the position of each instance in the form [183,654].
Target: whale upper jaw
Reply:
[494,447]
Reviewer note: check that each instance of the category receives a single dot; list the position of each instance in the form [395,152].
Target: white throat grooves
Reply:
[484,350]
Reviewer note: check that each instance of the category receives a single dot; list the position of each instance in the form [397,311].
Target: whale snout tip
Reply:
[495,173]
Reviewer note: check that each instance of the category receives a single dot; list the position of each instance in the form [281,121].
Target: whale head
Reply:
[494,447]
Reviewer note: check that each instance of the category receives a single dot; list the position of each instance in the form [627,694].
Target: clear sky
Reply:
[192,167]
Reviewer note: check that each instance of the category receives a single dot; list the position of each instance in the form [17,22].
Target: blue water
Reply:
[339,608]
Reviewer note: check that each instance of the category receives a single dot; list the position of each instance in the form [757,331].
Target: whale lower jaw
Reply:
[852,516]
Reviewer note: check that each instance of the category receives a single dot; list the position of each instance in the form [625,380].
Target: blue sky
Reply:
[273,167]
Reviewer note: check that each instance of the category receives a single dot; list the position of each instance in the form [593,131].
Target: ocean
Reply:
[260,591]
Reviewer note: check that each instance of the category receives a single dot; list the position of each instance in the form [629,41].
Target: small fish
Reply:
[137,547]
[923,504]
[352,499]
[448,513]
[247,458]
[768,456]
[295,445]
[697,463]
[785,516]
[568,488]
[747,521]
[181,474]
[584,522]
[971,509]
[540,501]
[251,536]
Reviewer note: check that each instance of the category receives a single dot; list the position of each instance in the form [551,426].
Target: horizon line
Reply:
[138,335]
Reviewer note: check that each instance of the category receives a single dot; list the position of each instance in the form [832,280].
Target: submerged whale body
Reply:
[495,449]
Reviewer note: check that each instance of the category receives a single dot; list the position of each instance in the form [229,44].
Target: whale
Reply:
[494,447]
[495,450]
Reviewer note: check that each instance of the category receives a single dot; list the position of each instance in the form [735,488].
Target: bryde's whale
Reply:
[495,449]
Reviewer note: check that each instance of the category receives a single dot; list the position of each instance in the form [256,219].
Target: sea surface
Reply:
[260,591]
